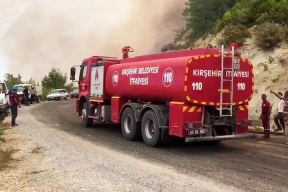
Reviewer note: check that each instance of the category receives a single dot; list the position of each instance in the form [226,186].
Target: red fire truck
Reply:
[199,94]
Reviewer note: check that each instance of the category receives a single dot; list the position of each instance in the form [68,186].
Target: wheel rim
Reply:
[83,115]
[128,124]
[149,128]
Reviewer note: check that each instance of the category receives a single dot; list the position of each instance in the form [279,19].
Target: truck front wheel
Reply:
[86,121]
[130,128]
[150,129]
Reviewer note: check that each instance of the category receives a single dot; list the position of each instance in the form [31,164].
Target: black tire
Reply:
[37,100]
[48,99]
[87,122]
[65,98]
[150,129]
[130,128]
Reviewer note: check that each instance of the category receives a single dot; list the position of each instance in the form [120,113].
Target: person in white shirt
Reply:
[279,118]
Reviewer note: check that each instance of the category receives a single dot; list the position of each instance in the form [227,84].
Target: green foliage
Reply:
[212,16]
[265,67]
[172,46]
[234,33]
[45,92]
[70,87]
[270,59]
[10,80]
[251,12]
[55,79]
[201,15]
[269,35]
[285,34]
[32,82]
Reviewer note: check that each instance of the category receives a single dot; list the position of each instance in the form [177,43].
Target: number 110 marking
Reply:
[241,86]
[197,86]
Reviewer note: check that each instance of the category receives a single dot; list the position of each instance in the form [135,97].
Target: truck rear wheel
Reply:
[130,128]
[150,129]
[86,121]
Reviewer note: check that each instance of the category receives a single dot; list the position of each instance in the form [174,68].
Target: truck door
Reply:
[83,81]
[97,81]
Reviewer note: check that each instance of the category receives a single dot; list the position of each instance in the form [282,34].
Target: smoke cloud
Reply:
[53,33]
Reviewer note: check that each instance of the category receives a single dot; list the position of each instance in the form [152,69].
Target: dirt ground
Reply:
[53,152]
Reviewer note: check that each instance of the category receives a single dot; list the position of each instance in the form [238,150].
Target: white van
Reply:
[4,97]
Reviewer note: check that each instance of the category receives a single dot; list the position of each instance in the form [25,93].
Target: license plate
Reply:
[197,131]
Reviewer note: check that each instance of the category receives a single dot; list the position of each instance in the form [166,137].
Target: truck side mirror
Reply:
[72,73]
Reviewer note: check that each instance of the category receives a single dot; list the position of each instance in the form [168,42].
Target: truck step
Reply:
[226,115]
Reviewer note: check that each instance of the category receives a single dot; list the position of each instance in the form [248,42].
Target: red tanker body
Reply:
[199,95]
[192,76]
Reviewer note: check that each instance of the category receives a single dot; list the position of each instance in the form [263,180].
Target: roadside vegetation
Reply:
[55,79]
[266,20]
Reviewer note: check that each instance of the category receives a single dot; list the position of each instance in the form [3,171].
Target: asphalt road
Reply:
[249,165]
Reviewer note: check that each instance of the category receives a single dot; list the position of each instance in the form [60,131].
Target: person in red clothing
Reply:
[265,116]
[14,104]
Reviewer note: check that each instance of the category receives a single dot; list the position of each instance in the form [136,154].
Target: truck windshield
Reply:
[19,88]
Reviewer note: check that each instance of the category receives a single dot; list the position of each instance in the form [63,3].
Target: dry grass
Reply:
[3,126]
[5,155]
[5,158]
[36,150]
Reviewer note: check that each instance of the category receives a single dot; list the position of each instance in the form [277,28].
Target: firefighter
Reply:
[265,116]
[14,104]
[279,118]
[26,96]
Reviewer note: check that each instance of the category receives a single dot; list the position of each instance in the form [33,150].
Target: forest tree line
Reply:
[54,80]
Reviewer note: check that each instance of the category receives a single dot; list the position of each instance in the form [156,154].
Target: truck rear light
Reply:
[192,125]
[246,123]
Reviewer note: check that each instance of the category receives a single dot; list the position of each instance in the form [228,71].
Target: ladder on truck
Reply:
[227,106]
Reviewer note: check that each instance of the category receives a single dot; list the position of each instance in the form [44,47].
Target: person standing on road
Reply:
[265,116]
[26,95]
[279,118]
[14,104]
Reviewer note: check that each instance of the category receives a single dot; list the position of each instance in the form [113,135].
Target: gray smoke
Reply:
[53,33]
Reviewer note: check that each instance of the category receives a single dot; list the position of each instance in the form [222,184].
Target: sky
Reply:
[3,68]
[40,34]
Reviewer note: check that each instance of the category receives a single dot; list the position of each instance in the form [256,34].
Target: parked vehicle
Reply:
[74,94]
[200,94]
[20,88]
[38,95]
[58,94]
[4,101]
